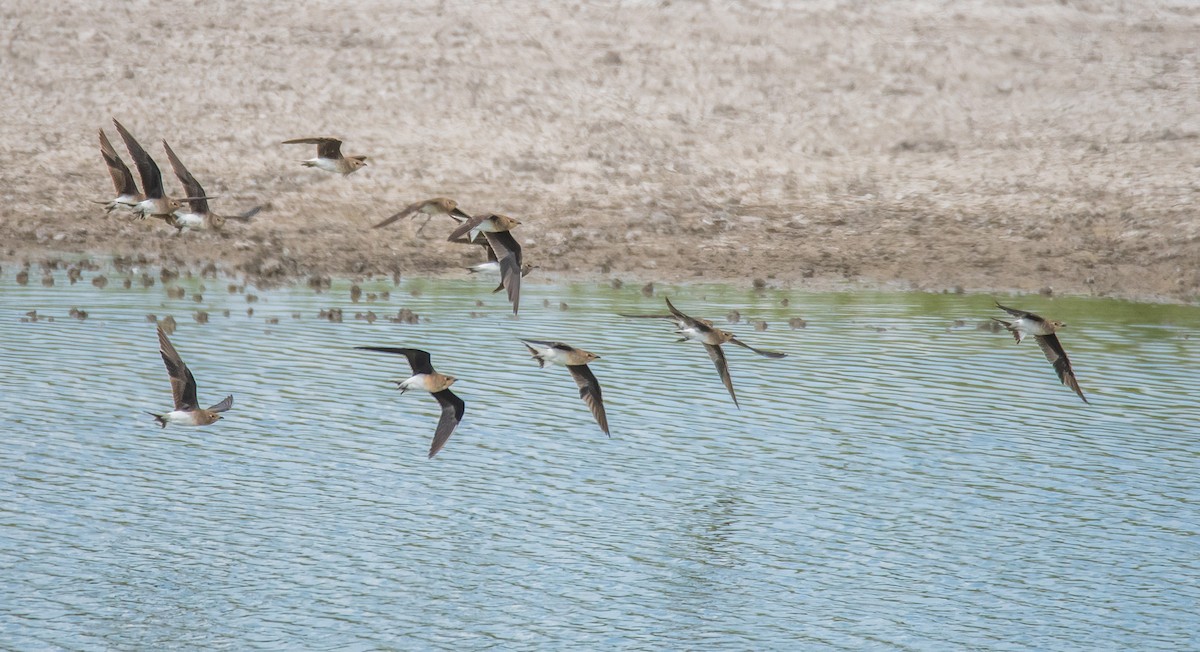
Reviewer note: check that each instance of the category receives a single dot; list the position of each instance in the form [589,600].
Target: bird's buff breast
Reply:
[436,382]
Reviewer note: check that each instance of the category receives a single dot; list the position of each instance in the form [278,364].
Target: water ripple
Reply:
[900,480]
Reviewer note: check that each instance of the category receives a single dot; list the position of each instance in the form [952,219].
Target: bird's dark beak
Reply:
[457,213]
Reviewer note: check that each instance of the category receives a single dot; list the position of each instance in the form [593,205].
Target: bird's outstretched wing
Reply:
[453,409]
[467,225]
[223,406]
[690,322]
[1019,314]
[718,358]
[122,178]
[589,391]
[417,359]
[1062,364]
[195,193]
[326,147]
[183,385]
[766,354]
[147,169]
[247,215]
[508,251]
[403,213]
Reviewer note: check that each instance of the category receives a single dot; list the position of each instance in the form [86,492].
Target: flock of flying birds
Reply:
[504,255]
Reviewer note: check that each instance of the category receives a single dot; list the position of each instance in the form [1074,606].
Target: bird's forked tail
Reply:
[1008,325]
[533,353]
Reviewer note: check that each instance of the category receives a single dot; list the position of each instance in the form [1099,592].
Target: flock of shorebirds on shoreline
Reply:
[504,255]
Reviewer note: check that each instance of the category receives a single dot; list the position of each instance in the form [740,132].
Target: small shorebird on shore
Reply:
[430,208]
[424,377]
[187,410]
[127,192]
[712,338]
[196,214]
[329,156]
[576,361]
[154,202]
[489,223]
[1044,332]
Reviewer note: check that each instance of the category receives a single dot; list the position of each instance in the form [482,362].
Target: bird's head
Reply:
[505,223]
[450,207]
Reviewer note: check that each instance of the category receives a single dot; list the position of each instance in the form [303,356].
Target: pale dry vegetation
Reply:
[1011,145]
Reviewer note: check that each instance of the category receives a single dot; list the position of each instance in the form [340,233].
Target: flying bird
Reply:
[712,338]
[489,223]
[774,355]
[508,254]
[1044,331]
[187,410]
[424,377]
[155,201]
[196,215]
[429,208]
[329,156]
[127,192]
[576,361]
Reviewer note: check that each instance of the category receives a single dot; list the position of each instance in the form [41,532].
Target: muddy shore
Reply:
[1026,147]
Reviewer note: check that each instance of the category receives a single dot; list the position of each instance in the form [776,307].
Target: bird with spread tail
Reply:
[1045,332]
[430,208]
[187,410]
[127,192]
[196,215]
[329,156]
[576,361]
[424,377]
